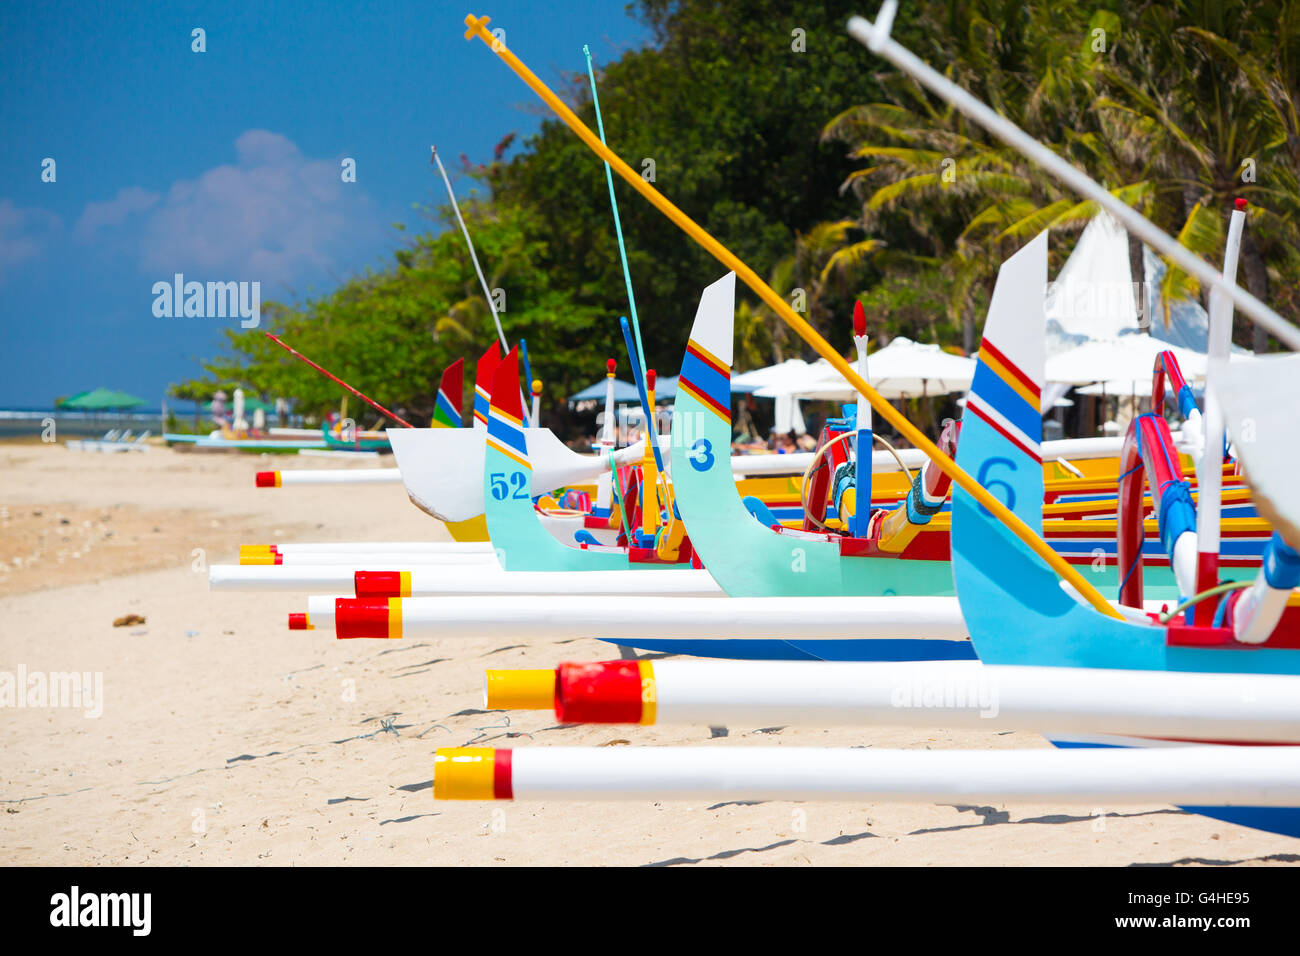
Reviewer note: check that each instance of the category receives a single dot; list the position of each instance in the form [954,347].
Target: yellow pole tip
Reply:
[537,386]
[473,24]
[464,773]
[519,689]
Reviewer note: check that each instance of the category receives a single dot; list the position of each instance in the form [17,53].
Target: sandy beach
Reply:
[224,738]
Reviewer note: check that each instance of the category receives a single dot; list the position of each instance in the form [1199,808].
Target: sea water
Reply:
[34,423]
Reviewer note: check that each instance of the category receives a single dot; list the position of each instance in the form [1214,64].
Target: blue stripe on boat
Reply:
[507,434]
[1006,400]
[706,379]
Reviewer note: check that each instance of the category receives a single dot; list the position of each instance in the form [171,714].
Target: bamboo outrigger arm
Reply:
[875,37]
[477,27]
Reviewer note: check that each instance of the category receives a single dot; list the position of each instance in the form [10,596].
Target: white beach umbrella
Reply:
[773,375]
[780,382]
[902,369]
[1127,359]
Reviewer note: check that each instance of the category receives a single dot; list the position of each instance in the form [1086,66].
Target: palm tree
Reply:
[1165,113]
[1222,125]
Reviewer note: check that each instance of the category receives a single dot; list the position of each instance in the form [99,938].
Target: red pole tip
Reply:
[610,366]
[859,319]
[1239,203]
[604,692]
[355,617]
[297,622]
[378,584]
[266,479]
[650,379]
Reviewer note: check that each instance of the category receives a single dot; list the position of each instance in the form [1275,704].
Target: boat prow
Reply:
[745,556]
[442,468]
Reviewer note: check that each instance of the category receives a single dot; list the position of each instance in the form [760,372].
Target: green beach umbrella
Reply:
[101,399]
[67,402]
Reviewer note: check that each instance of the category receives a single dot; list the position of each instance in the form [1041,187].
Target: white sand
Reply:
[227,739]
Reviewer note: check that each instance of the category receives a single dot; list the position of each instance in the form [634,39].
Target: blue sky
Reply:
[225,165]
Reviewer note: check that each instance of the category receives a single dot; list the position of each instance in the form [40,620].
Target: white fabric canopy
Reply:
[788,416]
[1093,296]
[1119,362]
[902,369]
[1121,389]
[788,371]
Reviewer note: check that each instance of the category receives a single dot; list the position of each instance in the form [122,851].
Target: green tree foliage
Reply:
[728,104]
[1176,107]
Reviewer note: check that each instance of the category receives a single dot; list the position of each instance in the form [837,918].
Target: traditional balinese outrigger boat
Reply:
[344,437]
[442,467]
[271,442]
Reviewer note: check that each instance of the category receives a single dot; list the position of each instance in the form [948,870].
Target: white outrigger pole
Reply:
[1255,708]
[551,617]
[1204,775]
[608,442]
[329,476]
[415,580]
[876,38]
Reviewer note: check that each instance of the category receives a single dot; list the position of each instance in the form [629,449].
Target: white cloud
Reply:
[113,212]
[23,233]
[274,216]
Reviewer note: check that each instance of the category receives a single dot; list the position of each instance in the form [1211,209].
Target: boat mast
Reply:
[639,357]
[1210,480]
[487,293]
